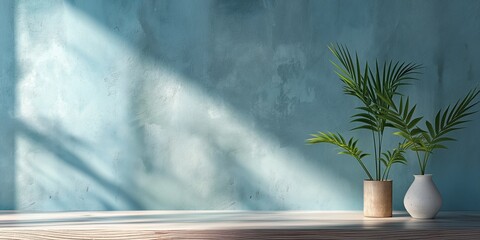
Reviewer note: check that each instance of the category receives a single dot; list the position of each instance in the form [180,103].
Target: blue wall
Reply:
[206,104]
[7,105]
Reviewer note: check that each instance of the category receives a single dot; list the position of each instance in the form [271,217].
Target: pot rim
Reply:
[368,180]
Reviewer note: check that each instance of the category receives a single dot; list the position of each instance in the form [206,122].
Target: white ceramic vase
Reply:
[423,200]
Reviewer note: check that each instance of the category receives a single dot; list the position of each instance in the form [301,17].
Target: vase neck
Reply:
[423,177]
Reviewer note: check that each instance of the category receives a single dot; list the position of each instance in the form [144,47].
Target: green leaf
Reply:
[416,131]
[443,139]
[444,117]
[365,115]
[410,114]
[365,127]
[414,122]
[402,134]
[437,121]
[426,136]
[438,146]
[430,128]
[405,111]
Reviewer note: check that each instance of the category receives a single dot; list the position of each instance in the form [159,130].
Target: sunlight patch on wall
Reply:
[205,155]
[73,134]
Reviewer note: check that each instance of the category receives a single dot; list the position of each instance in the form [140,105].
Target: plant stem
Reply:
[385,173]
[425,160]
[375,152]
[364,168]
[419,163]
[379,153]
[422,170]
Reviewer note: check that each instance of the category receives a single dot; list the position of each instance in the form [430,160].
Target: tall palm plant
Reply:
[423,141]
[371,87]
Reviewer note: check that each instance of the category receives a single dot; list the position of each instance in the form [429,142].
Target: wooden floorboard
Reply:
[233,225]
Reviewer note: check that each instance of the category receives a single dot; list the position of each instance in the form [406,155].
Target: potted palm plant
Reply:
[423,200]
[371,86]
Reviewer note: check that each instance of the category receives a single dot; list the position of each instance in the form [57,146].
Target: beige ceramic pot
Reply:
[377,198]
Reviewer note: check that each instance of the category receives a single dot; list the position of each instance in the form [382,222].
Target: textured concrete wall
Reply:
[7,105]
[206,104]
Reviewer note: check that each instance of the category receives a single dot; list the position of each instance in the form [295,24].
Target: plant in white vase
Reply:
[423,200]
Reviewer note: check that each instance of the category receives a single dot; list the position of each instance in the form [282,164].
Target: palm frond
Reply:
[348,147]
[452,118]
[393,157]
[371,87]
[434,135]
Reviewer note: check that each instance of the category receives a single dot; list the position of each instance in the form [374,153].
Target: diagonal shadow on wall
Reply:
[61,152]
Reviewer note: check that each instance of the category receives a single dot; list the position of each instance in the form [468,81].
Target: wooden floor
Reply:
[234,225]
